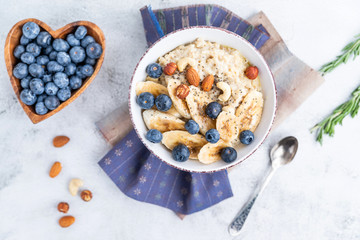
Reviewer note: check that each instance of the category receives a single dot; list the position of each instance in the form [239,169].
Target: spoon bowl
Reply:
[284,151]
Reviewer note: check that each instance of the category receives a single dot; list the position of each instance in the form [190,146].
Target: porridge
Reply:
[201,100]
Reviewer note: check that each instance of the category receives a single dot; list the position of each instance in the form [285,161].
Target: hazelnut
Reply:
[63,207]
[182,91]
[251,72]
[86,195]
[170,68]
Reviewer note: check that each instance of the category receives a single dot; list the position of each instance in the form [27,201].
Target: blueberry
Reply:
[41,97]
[40,108]
[25,82]
[77,54]
[80,32]
[34,49]
[154,70]
[163,102]
[79,74]
[212,136]
[75,82]
[87,70]
[20,70]
[154,136]
[37,86]
[60,45]
[43,39]
[47,50]
[61,80]
[213,110]
[51,102]
[94,50]
[63,58]
[64,94]
[47,78]
[27,58]
[28,97]
[192,127]
[72,40]
[52,55]
[51,89]
[31,30]
[70,69]
[86,41]
[246,137]
[42,60]
[228,154]
[90,61]
[145,100]
[24,40]
[181,153]
[20,49]
[36,70]
[53,66]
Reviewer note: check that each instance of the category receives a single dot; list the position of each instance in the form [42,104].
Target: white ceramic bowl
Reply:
[224,37]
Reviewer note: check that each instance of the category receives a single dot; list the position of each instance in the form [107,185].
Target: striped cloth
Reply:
[138,173]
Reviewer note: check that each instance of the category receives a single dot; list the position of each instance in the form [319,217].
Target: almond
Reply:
[182,91]
[60,141]
[193,77]
[251,72]
[207,83]
[55,169]
[170,68]
[66,221]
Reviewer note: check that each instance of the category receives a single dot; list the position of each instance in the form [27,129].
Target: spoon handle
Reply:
[237,224]
[239,221]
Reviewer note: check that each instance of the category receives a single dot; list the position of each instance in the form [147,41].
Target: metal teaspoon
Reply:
[282,153]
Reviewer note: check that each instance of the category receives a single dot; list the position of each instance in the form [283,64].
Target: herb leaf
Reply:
[351,49]
[327,126]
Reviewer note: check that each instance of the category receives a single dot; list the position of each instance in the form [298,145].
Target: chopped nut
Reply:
[170,68]
[63,207]
[207,83]
[55,169]
[251,72]
[66,221]
[74,185]
[86,195]
[182,91]
[60,141]
[193,77]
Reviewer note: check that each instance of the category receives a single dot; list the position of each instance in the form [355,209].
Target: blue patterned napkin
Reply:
[141,175]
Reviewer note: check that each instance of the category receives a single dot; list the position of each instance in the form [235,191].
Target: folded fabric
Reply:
[141,175]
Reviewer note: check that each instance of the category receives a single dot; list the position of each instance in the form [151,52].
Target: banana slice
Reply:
[162,121]
[226,124]
[210,152]
[152,87]
[250,110]
[238,92]
[179,104]
[197,101]
[194,142]
[155,89]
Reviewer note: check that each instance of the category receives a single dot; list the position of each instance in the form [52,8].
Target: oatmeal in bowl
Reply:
[201,103]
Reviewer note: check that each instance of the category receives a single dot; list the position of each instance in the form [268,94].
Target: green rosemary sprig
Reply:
[352,49]
[327,126]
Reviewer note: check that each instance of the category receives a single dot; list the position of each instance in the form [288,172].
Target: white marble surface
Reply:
[316,197]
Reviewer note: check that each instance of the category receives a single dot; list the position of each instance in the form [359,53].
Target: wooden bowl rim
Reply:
[35,118]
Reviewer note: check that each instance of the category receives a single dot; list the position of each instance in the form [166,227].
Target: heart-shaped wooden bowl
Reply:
[13,39]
